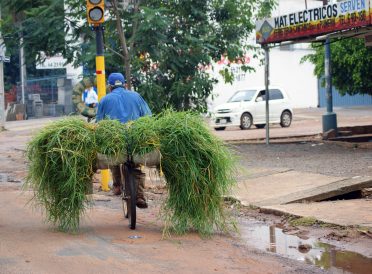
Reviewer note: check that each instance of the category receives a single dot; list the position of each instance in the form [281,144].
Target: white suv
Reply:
[248,107]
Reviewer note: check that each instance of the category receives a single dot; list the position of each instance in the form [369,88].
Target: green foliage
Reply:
[179,38]
[166,43]
[143,136]
[61,158]
[110,138]
[40,23]
[351,65]
[199,171]
[198,167]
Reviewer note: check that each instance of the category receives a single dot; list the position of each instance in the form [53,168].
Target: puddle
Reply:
[3,177]
[311,251]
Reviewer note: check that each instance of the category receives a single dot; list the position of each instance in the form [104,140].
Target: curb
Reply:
[365,145]
[280,213]
[300,138]
[282,140]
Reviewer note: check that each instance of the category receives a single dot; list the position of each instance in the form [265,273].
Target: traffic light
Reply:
[95,11]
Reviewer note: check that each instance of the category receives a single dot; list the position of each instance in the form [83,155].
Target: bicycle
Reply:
[129,187]
[129,193]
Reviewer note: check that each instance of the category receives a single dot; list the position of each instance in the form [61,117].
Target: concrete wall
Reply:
[285,68]
[285,71]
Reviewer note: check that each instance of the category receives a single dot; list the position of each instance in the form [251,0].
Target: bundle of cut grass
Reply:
[198,167]
[143,136]
[111,138]
[61,159]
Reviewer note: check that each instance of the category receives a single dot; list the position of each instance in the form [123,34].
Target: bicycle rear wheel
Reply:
[130,193]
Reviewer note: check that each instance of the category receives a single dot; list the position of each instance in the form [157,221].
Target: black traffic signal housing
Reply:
[96,11]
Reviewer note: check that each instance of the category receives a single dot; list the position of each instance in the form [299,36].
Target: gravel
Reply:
[323,158]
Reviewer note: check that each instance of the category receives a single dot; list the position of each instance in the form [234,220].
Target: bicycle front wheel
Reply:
[131,195]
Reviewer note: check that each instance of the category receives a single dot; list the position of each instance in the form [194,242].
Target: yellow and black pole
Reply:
[95,12]
[101,87]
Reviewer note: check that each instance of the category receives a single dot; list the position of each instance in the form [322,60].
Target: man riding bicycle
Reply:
[123,105]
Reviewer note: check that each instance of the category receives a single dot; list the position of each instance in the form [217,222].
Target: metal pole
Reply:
[101,87]
[329,119]
[327,72]
[100,63]
[267,95]
[2,105]
[22,64]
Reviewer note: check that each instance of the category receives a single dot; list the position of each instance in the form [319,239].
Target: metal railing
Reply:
[49,96]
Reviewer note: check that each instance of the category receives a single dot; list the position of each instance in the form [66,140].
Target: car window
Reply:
[262,95]
[275,94]
[242,95]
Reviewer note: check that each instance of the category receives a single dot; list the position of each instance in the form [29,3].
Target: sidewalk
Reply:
[287,191]
[306,122]
[297,193]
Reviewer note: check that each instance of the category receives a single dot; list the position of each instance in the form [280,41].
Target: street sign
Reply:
[52,62]
[310,23]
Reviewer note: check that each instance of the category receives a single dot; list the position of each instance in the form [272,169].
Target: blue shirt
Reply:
[123,105]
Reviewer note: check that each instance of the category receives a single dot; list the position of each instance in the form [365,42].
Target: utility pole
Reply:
[96,17]
[100,62]
[267,94]
[22,66]
[329,119]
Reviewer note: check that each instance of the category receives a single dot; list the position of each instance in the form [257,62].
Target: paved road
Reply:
[305,122]
[32,124]
[105,244]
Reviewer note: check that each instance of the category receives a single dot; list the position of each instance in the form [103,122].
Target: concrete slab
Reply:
[256,172]
[321,192]
[357,212]
[275,187]
[266,190]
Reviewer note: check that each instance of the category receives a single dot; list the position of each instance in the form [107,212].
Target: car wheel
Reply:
[260,126]
[219,128]
[286,119]
[246,121]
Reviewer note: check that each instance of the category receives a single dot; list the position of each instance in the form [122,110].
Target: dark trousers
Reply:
[118,179]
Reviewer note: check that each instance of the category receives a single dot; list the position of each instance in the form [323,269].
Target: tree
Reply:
[351,65]
[28,19]
[162,45]
[167,43]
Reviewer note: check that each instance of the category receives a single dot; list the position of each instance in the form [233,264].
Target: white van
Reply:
[248,107]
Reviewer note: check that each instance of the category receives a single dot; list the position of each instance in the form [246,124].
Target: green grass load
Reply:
[61,159]
[197,166]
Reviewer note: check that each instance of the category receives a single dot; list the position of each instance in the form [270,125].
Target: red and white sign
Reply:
[314,22]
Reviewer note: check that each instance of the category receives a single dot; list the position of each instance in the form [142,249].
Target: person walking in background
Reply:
[90,97]
[123,105]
